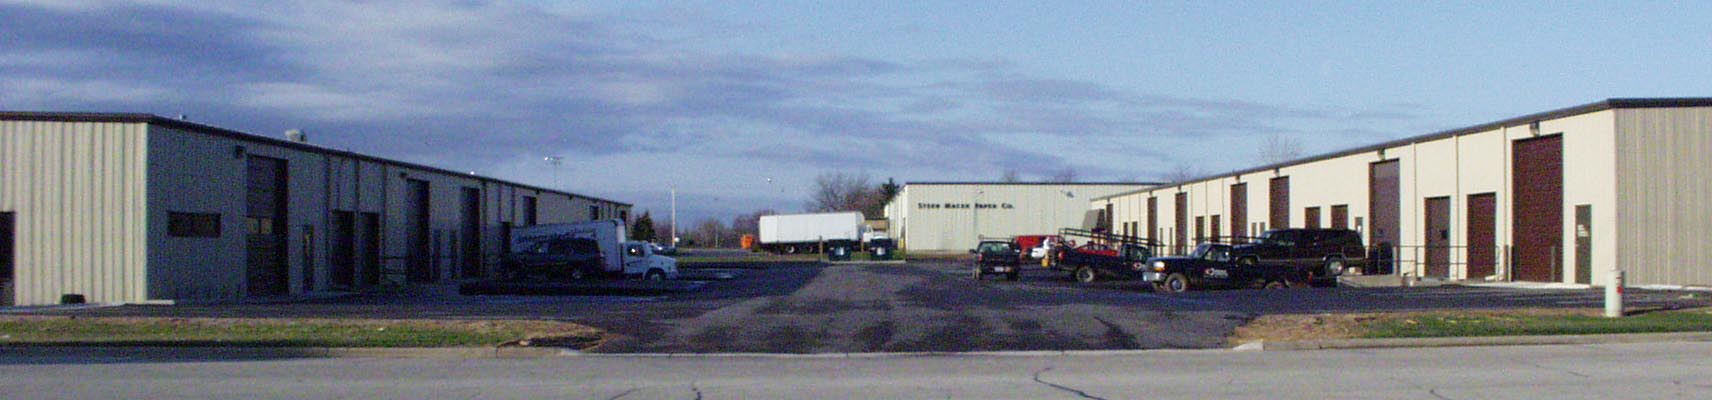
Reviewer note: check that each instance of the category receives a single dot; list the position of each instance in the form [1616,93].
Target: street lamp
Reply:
[975,210]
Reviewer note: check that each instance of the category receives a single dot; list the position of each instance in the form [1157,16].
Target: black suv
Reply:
[1330,250]
[557,259]
[999,257]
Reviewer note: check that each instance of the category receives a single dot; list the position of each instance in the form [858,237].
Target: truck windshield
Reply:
[1214,252]
[995,247]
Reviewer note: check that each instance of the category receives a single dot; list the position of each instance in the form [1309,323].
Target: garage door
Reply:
[1482,235]
[1239,212]
[1280,199]
[1384,201]
[1182,223]
[1537,229]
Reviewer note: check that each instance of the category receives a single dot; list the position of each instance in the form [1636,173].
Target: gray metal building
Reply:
[953,216]
[137,208]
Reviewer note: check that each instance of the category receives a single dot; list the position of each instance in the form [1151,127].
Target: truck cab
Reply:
[640,261]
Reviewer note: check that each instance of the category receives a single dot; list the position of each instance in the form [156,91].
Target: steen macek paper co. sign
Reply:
[964,206]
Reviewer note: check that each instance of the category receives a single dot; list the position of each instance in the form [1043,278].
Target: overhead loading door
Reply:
[1482,235]
[1239,212]
[1280,199]
[265,211]
[1383,185]
[1537,176]
[7,274]
[416,222]
[1182,222]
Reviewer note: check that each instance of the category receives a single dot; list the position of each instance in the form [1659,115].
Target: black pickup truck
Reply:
[1102,256]
[1214,265]
[1327,253]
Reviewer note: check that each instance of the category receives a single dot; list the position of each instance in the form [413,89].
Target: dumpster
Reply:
[882,249]
[839,250]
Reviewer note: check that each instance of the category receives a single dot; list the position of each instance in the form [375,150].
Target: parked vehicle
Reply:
[1331,250]
[595,249]
[883,249]
[804,233]
[1102,256]
[1036,247]
[1211,265]
[998,257]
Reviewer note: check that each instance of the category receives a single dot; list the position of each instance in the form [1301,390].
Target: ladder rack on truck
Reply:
[1100,254]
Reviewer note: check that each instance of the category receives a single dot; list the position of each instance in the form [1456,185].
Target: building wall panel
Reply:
[1664,178]
[77,190]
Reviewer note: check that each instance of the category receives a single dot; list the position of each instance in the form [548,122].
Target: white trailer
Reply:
[619,256]
[798,233]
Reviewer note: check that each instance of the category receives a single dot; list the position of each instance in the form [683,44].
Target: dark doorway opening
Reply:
[470,234]
[1584,244]
[1438,237]
[369,248]
[416,225]
[8,274]
[268,269]
[1482,235]
[343,254]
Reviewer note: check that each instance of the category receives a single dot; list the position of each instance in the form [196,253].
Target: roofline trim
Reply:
[1607,104]
[152,119]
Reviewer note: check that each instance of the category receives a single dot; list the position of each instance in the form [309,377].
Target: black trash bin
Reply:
[839,250]
[882,249]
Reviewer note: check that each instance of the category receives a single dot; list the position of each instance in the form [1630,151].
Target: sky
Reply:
[739,106]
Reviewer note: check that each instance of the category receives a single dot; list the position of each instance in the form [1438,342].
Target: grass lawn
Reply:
[211,332]
[1467,323]
[1457,324]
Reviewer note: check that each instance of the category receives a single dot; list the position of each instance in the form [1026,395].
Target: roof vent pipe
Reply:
[296,135]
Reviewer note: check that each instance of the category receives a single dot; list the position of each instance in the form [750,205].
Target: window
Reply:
[192,225]
[594,213]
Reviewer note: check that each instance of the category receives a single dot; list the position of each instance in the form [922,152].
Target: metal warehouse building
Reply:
[953,216]
[1560,196]
[134,208]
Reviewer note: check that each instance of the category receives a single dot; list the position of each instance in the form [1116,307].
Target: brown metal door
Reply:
[1153,219]
[1340,217]
[416,226]
[1437,245]
[1200,229]
[1182,222]
[1537,207]
[1214,227]
[369,249]
[1280,199]
[1482,235]
[1383,202]
[1239,212]
[1311,218]
[266,266]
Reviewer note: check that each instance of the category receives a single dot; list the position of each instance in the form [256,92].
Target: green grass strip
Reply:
[1455,325]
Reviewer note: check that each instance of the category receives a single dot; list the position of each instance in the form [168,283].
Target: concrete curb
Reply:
[282,352]
[1481,341]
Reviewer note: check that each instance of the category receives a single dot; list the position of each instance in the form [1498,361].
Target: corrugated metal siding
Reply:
[1664,181]
[78,191]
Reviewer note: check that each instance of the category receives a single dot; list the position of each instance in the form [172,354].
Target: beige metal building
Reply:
[1560,196]
[135,208]
[953,216]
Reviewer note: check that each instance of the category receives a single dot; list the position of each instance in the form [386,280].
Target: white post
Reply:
[1614,295]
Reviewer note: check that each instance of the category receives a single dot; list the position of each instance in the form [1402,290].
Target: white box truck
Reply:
[594,249]
[804,233]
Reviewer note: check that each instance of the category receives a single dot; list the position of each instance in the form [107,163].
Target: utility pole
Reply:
[673,217]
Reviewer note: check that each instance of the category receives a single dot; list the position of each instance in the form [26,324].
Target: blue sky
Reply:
[739,105]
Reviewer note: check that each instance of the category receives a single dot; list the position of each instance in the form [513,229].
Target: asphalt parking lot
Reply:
[807,307]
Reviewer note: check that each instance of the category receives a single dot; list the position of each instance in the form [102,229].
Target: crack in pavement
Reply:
[1563,370]
[621,395]
[695,389]
[1078,392]
[1435,393]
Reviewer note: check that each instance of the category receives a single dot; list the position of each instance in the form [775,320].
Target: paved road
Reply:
[922,306]
[1655,371]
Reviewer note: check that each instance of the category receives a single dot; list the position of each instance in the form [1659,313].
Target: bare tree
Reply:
[1181,173]
[1011,176]
[837,191]
[1279,148]
[1066,175]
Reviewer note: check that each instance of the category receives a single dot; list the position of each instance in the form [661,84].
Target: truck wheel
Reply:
[1334,266]
[1014,276]
[1276,285]
[1176,283]
[655,275]
[1085,274]
[792,249]
[1158,287]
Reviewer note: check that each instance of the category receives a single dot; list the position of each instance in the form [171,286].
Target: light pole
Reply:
[975,210]
[674,221]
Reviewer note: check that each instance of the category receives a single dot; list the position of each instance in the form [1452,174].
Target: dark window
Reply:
[594,213]
[192,225]
[624,215]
